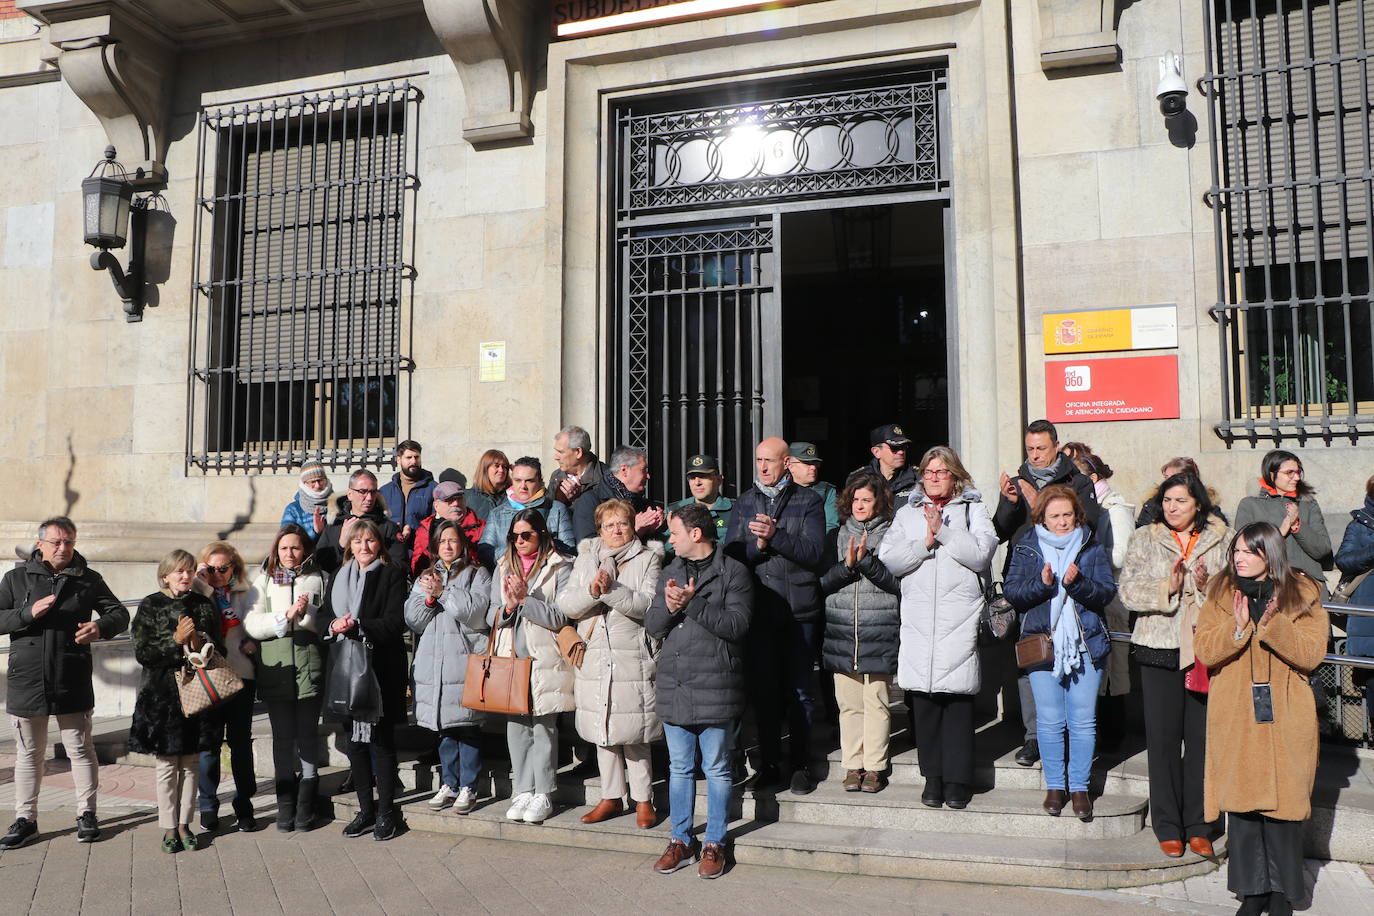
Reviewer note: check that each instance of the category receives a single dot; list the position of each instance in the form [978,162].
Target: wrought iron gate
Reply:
[699,307]
[696,365]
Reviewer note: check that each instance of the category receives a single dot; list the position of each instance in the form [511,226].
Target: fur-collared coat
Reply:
[158,727]
[1267,768]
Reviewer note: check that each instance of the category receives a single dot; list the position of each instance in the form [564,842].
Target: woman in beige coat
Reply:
[1263,630]
[524,618]
[612,585]
[1164,581]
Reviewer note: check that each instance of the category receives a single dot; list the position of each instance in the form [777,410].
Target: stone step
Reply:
[885,851]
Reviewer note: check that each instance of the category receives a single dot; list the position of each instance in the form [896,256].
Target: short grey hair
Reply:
[60,522]
[359,475]
[576,437]
[624,457]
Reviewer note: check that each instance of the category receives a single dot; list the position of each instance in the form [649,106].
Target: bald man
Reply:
[777,530]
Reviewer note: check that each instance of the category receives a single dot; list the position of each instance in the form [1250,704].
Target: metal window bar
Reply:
[863,140]
[1292,196]
[303,279]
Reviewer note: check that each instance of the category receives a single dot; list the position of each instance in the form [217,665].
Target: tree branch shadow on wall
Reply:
[70,496]
[241,520]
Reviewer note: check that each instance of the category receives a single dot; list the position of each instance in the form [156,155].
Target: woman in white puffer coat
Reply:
[941,545]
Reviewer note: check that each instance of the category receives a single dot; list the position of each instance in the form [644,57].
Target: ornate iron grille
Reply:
[885,138]
[302,275]
[691,363]
[1292,190]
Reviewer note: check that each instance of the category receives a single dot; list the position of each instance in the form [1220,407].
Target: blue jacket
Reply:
[1357,556]
[499,519]
[1091,591]
[418,507]
[296,514]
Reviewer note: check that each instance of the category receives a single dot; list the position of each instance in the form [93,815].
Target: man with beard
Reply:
[410,492]
[1044,465]
[777,530]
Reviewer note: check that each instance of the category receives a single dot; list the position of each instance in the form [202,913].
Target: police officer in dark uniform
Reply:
[804,464]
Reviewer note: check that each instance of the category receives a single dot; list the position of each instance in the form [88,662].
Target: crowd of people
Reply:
[652,623]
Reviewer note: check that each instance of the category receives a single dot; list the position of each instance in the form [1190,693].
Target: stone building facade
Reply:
[1030,172]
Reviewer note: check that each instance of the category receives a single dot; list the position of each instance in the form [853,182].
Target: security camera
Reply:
[1172,93]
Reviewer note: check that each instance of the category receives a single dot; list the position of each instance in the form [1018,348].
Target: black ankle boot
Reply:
[286,805]
[1280,905]
[306,793]
[1252,904]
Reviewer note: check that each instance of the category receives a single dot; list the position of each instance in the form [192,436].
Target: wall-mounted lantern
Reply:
[113,216]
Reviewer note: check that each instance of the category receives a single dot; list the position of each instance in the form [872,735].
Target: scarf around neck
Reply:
[533,501]
[773,491]
[1257,593]
[1043,477]
[1060,551]
[620,491]
[609,560]
[346,594]
[311,500]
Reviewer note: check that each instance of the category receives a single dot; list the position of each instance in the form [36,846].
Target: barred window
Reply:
[303,279]
[1291,86]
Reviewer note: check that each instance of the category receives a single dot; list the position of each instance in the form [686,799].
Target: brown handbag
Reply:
[1034,650]
[205,681]
[498,683]
[572,646]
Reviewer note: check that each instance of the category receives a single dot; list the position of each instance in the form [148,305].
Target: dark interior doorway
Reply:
[863,328]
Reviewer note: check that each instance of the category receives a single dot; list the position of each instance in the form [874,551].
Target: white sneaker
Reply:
[442,798]
[518,804]
[467,797]
[539,808]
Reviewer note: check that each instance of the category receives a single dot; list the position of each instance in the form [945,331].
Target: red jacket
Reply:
[419,550]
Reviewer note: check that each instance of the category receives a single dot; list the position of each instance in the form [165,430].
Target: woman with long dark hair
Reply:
[1287,501]
[284,619]
[524,617]
[1164,582]
[1262,632]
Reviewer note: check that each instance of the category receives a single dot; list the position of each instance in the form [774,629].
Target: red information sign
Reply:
[1129,388]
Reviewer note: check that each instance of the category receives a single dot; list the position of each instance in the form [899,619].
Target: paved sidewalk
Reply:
[322,872]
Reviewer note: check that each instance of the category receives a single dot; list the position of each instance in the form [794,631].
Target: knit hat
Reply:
[311,469]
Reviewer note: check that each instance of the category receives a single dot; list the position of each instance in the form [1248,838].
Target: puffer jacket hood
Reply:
[942,591]
[862,607]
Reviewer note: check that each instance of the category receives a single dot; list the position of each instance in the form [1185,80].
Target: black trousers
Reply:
[781,660]
[1175,745]
[1264,856]
[374,758]
[942,724]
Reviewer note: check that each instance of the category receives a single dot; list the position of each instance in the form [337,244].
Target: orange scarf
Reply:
[1275,491]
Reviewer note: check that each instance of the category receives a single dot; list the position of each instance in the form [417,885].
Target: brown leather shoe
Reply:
[644,815]
[1201,845]
[606,808]
[1054,801]
[1082,805]
[873,782]
[1171,848]
[677,855]
[853,779]
[712,861]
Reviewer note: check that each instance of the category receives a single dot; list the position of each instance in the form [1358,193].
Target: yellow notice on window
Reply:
[1147,327]
[491,361]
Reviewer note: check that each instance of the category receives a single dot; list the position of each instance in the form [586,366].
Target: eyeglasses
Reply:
[363,492]
[936,473]
[219,569]
[525,535]
[59,542]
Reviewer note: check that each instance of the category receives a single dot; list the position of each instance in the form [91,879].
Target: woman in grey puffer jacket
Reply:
[941,545]
[447,609]
[862,621]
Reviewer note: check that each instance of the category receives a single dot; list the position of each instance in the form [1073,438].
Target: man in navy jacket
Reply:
[777,530]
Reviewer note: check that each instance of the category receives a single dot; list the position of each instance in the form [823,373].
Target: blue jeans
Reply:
[235,725]
[709,744]
[460,756]
[1067,702]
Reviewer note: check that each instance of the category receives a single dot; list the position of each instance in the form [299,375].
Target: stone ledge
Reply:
[148,542]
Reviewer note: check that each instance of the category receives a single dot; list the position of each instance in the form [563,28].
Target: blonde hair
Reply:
[238,572]
[952,463]
[173,562]
[614,507]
